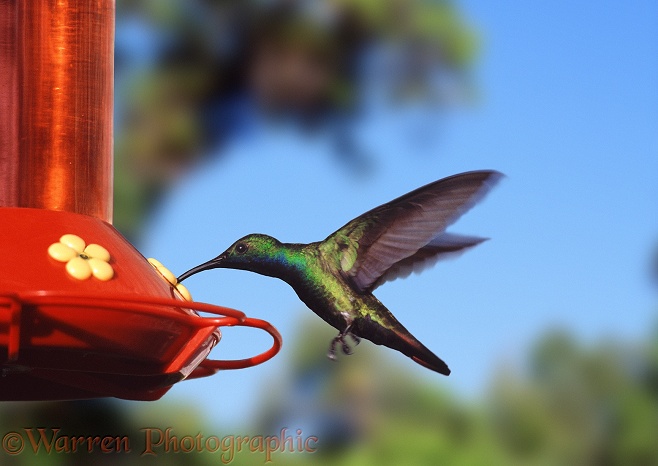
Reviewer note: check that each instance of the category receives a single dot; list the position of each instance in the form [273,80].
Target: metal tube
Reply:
[56,103]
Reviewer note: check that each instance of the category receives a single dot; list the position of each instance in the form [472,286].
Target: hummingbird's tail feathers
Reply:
[426,358]
[396,337]
[441,368]
[409,346]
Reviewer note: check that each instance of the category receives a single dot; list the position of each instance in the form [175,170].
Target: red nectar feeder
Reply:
[82,313]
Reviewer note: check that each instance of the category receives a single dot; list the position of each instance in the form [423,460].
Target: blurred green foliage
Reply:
[437,24]
[572,404]
[195,58]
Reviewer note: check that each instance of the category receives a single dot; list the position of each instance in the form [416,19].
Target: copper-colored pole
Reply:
[56,91]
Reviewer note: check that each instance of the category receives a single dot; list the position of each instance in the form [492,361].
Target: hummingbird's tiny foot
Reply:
[332,348]
[356,339]
[346,348]
[340,338]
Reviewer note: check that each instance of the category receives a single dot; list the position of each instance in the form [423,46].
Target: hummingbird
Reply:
[336,277]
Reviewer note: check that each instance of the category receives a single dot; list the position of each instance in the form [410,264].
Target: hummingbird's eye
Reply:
[241,248]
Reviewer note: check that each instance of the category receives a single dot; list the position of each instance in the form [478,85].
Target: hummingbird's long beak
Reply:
[211,264]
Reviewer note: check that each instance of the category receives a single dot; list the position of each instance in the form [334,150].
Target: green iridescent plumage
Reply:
[335,277]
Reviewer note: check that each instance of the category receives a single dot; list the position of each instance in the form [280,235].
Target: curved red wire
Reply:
[210,366]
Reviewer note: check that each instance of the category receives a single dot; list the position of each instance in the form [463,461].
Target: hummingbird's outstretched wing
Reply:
[408,233]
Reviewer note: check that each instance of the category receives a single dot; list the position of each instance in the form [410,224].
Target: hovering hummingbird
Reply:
[335,278]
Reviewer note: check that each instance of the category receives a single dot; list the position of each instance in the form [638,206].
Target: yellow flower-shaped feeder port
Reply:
[82,261]
[171,278]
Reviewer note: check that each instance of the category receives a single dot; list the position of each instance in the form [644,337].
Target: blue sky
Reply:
[568,110]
